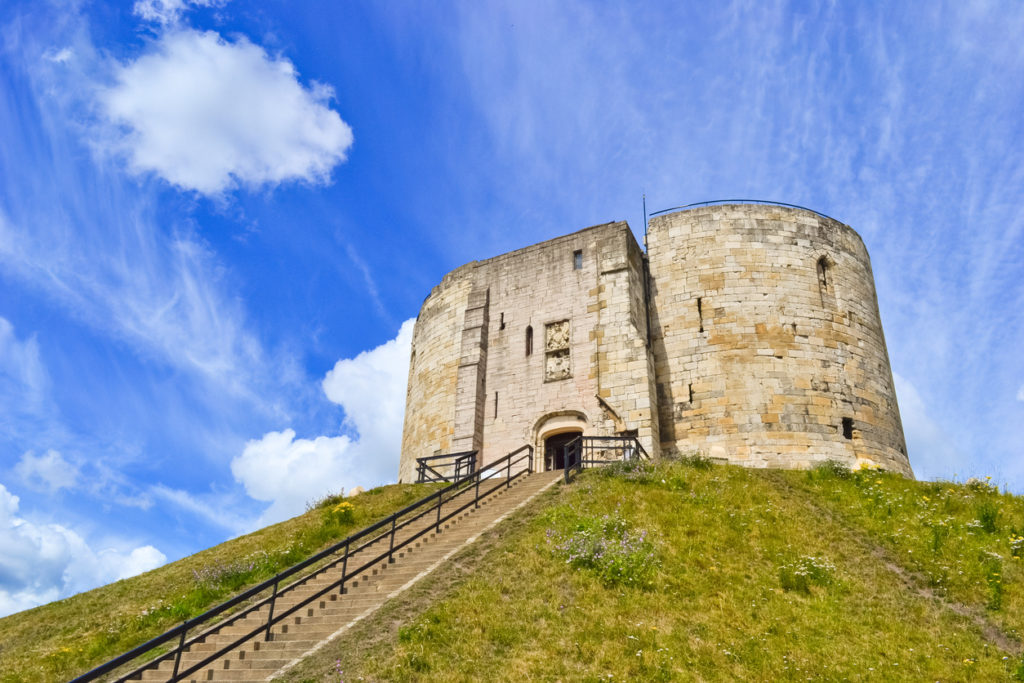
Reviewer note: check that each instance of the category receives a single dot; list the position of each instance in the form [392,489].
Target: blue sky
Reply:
[217,219]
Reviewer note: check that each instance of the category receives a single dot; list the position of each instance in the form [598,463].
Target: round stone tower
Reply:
[767,342]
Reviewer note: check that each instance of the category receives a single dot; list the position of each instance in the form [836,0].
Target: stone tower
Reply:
[749,332]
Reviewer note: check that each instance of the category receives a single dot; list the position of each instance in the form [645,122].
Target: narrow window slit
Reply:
[577,259]
[495,404]
[700,314]
[690,389]
[502,321]
[529,340]
[824,279]
[847,427]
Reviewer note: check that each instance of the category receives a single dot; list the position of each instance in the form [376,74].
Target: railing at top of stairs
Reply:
[446,467]
[504,471]
[594,451]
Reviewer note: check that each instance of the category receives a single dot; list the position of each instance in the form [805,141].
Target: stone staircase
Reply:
[316,624]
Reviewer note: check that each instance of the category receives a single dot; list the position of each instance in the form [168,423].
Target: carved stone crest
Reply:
[557,364]
[557,336]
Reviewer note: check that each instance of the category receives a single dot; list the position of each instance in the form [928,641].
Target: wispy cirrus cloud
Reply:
[144,316]
[214,508]
[166,12]
[23,378]
[95,242]
[892,120]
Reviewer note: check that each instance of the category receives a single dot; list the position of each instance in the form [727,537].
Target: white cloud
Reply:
[22,374]
[49,471]
[169,11]
[206,114]
[61,56]
[44,562]
[215,511]
[167,297]
[371,389]
[287,472]
[1020,393]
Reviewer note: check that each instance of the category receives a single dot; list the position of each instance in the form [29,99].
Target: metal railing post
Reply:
[508,473]
[391,548]
[181,647]
[437,529]
[344,569]
[270,617]
[476,495]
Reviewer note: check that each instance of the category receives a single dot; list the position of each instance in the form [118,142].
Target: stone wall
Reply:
[433,371]
[588,367]
[767,340]
[765,345]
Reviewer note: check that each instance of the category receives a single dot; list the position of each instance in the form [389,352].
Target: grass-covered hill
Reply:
[673,571]
[692,571]
[58,641]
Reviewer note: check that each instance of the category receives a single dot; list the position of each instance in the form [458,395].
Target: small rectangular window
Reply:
[700,314]
[577,259]
[847,427]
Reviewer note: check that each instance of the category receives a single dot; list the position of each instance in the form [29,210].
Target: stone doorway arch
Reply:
[552,432]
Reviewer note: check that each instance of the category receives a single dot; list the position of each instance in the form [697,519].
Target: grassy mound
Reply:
[684,570]
[65,638]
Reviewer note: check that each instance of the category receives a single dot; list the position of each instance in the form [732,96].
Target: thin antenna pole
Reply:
[645,220]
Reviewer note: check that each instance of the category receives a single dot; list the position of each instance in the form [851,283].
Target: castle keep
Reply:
[749,332]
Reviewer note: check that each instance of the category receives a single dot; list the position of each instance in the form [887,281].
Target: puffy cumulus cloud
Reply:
[371,389]
[169,11]
[206,114]
[1020,393]
[931,450]
[44,562]
[48,471]
[287,472]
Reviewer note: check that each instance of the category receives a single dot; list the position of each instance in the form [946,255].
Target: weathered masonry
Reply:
[749,332]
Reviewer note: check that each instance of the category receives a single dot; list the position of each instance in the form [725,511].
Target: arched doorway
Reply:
[551,434]
[554,449]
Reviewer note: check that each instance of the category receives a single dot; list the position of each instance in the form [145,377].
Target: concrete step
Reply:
[310,624]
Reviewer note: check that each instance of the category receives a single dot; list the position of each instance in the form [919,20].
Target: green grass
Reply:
[745,575]
[65,638]
[960,538]
[677,571]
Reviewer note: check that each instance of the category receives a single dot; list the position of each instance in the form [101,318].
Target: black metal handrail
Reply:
[740,201]
[352,545]
[593,451]
[446,467]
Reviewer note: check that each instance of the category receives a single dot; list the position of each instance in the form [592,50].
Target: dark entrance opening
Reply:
[554,450]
